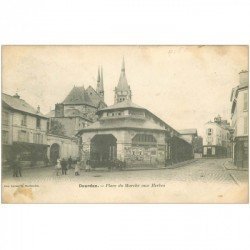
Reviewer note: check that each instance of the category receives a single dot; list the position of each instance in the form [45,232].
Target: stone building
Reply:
[217,138]
[130,133]
[191,136]
[24,132]
[239,116]
[78,109]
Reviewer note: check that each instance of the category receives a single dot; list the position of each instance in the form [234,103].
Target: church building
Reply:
[131,133]
[78,109]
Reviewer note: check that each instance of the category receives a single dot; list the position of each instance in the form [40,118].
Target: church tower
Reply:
[122,91]
[99,87]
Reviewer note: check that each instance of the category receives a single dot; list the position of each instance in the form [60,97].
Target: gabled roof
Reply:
[190,131]
[94,96]
[78,95]
[20,105]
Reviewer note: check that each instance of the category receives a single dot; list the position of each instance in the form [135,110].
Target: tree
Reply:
[56,128]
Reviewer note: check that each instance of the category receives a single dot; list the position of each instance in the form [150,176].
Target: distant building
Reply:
[24,132]
[198,145]
[239,116]
[188,134]
[191,136]
[217,138]
[78,110]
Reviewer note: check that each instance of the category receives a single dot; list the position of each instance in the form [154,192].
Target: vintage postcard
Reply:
[124,124]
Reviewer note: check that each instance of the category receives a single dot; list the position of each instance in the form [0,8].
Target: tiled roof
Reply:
[20,105]
[93,95]
[188,131]
[78,95]
[122,105]
[126,124]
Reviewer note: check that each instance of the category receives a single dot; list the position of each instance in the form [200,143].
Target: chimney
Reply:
[38,109]
[243,75]
[59,110]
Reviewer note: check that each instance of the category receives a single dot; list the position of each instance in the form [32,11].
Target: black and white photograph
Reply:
[125,124]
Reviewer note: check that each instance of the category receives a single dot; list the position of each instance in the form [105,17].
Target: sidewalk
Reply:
[229,165]
[239,175]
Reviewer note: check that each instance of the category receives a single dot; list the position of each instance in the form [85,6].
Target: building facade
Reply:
[78,109]
[61,147]
[132,134]
[217,138]
[24,132]
[239,116]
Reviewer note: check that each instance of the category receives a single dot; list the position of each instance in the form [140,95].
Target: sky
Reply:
[186,86]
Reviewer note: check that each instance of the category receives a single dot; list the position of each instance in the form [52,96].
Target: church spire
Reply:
[99,88]
[101,81]
[123,65]
[122,91]
[98,76]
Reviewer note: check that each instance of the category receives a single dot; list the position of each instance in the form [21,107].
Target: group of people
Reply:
[63,165]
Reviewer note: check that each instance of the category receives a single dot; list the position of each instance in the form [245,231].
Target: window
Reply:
[245,101]
[24,120]
[38,122]
[5,137]
[22,136]
[5,118]
[209,131]
[245,125]
[144,139]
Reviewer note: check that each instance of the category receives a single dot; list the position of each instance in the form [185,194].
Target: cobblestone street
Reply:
[202,180]
[201,170]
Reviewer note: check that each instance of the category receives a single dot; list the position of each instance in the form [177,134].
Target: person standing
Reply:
[64,166]
[77,168]
[70,162]
[57,166]
[19,168]
[88,167]
[14,165]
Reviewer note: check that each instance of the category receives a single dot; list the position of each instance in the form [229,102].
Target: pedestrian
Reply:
[77,167]
[64,166]
[88,167]
[14,165]
[70,162]
[19,168]
[57,166]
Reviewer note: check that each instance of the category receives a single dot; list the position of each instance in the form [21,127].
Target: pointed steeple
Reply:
[101,77]
[123,65]
[123,83]
[98,75]
[122,91]
[99,88]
